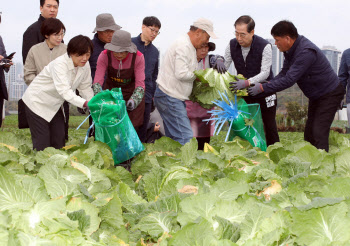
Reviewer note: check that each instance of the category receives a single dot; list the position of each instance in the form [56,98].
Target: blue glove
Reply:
[239,85]
[130,105]
[255,90]
[220,66]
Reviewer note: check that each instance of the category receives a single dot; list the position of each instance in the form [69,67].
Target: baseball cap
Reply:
[205,25]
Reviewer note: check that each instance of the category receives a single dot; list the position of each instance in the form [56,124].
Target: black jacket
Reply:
[306,65]
[3,89]
[32,36]
[252,65]
[151,55]
[98,48]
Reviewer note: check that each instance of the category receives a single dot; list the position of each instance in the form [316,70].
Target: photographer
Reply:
[4,66]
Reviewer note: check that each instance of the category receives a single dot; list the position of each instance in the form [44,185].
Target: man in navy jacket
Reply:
[307,66]
[150,30]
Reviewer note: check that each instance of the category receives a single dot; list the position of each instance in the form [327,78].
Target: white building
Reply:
[277,58]
[15,83]
[333,55]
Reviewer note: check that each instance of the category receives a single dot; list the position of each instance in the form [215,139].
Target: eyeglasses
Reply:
[57,35]
[242,35]
[154,30]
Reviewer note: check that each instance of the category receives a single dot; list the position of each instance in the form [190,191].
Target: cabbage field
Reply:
[228,194]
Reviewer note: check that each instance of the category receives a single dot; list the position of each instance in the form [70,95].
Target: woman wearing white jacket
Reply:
[57,83]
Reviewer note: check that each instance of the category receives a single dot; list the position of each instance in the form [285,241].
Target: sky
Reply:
[323,22]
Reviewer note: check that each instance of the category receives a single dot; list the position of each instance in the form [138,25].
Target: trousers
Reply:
[46,134]
[268,106]
[320,116]
[177,126]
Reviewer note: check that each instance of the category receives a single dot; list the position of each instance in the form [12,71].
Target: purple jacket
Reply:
[306,65]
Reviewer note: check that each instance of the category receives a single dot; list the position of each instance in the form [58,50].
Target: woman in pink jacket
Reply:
[121,65]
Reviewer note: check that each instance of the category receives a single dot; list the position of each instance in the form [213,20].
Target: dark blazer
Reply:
[32,36]
[3,89]
[98,48]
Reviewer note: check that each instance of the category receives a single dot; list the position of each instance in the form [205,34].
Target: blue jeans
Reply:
[173,112]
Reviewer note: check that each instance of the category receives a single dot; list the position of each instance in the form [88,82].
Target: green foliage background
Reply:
[174,195]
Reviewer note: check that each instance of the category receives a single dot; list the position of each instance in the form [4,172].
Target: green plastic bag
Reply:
[244,120]
[249,125]
[113,126]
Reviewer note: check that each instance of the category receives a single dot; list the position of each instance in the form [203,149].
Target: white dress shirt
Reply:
[266,62]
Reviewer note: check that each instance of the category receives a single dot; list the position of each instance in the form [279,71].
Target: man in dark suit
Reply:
[32,36]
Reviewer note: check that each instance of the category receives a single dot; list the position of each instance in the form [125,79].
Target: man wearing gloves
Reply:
[252,57]
[175,80]
[307,66]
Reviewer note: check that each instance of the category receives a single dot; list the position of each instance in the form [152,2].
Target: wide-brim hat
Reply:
[106,22]
[205,25]
[121,41]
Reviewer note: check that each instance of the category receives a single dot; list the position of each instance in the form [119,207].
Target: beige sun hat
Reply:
[205,25]
[121,41]
[106,22]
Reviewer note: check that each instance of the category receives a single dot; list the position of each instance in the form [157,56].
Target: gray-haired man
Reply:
[252,57]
